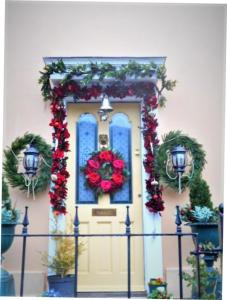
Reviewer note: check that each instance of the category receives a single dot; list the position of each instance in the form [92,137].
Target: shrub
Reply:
[10,215]
[64,259]
[200,193]
[208,279]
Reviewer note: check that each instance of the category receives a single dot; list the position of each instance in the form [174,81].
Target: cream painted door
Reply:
[103,266]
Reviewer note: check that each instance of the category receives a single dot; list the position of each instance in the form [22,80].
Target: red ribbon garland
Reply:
[155,203]
[58,191]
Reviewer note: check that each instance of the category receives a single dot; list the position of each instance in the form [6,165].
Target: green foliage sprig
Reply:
[10,164]
[44,80]
[63,261]
[10,215]
[200,208]
[200,193]
[208,280]
[5,191]
[170,140]
[199,214]
[85,73]
[202,214]
[208,246]
[157,294]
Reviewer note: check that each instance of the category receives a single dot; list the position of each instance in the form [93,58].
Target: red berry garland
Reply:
[119,89]
[155,203]
[58,191]
[105,172]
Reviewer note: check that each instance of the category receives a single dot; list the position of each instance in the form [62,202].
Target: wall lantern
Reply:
[31,161]
[105,109]
[177,161]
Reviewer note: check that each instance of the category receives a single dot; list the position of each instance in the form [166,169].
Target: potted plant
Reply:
[10,217]
[9,220]
[200,214]
[210,282]
[62,264]
[157,283]
[156,294]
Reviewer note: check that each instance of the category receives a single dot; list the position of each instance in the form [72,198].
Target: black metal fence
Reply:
[128,235]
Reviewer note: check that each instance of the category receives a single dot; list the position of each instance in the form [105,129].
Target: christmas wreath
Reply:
[171,140]
[11,162]
[105,172]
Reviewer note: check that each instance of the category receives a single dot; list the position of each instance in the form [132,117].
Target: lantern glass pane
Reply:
[180,159]
[174,160]
[29,161]
[36,161]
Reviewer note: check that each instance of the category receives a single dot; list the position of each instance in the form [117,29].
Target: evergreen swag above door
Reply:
[88,82]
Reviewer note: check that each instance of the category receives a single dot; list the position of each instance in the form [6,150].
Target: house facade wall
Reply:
[191,36]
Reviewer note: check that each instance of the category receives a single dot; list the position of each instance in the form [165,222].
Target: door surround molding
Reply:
[153,258]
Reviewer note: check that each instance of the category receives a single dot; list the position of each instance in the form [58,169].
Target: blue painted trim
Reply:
[70,61]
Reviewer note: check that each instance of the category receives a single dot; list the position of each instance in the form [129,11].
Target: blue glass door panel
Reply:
[87,130]
[120,140]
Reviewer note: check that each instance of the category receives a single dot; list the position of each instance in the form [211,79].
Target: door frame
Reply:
[153,257]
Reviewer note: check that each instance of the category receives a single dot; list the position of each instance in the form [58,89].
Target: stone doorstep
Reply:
[111,295]
[35,283]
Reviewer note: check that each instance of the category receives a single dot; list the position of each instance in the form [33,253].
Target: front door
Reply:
[103,265]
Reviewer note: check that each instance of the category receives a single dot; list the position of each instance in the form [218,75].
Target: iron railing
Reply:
[128,235]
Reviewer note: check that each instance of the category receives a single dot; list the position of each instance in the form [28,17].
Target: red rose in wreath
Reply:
[117,179]
[105,185]
[118,164]
[93,164]
[106,155]
[93,178]
[105,172]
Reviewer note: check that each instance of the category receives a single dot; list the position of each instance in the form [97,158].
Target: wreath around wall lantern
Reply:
[11,163]
[170,141]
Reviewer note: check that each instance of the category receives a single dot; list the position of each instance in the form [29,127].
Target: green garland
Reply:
[172,139]
[103,71]
[10,165]
[78,82]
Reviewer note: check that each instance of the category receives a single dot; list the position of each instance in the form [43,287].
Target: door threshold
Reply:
[111,294]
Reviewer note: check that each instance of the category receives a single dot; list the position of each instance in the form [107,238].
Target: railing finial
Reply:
[127,220]
[25,220]
[76,219]
[178,221]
